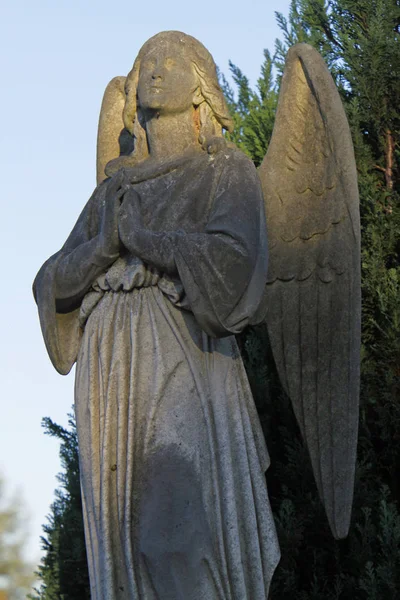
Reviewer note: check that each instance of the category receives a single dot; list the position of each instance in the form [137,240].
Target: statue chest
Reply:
[181,199]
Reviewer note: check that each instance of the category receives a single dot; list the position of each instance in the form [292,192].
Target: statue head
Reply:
[171,72]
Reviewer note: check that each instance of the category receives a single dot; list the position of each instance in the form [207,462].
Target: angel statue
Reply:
[166,263]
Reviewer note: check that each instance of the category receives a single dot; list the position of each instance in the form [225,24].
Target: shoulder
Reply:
[230,154]
[235,168]
[233,160]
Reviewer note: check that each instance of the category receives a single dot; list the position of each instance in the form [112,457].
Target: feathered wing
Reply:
[113,140]
[314,302]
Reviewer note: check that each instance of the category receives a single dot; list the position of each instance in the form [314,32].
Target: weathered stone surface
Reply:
[166,263]
[314,307]
[111,130]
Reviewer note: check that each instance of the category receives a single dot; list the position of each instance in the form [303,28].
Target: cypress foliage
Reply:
[63,570]
[359,40]
[253,111]
[360,43]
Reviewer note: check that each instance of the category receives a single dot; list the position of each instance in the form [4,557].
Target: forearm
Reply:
[78,270]
[155,249]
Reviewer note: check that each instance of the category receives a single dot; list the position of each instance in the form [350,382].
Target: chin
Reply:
[154,104]
[164,104]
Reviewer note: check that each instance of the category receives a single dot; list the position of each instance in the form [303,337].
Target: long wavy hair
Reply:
[211,111]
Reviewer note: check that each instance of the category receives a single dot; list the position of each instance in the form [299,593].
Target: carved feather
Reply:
[310,186]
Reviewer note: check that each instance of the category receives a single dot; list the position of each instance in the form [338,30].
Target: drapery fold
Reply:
[172,455]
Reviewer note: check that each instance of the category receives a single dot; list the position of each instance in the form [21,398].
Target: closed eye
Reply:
[169,63]
[149,64]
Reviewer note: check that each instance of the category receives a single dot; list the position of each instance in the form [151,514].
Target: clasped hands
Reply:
[122,226]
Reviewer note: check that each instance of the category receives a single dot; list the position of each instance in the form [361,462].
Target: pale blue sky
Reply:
[57,56]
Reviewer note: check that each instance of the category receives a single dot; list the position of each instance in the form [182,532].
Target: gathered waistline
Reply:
[126,277]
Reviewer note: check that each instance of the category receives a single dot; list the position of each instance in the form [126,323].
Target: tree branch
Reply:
[389,159]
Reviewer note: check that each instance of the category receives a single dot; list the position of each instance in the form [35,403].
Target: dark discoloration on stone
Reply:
[167,261]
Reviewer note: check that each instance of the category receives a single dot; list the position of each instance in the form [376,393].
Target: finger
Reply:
[132,195]
[120,176]
[126,210]
[131,203]
[124,189]
[120,194]
[116,182]
[122,216]
[130,213]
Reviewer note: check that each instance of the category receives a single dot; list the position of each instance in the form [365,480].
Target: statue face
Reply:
[167,81]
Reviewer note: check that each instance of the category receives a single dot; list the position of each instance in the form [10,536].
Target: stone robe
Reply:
[172,454]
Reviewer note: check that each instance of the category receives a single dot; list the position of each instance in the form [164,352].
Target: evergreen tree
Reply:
[253,111]
[359,40]
[63,570]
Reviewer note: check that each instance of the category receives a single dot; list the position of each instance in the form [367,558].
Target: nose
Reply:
[158,71]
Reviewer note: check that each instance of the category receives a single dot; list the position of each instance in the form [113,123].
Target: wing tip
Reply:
[304,50]
[340,526]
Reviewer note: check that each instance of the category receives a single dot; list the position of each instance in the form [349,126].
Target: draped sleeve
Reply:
[59,319]
[224,269]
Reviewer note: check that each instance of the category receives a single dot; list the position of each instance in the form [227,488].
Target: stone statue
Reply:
[166,263]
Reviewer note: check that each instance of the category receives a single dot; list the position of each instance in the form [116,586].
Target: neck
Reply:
[171,135]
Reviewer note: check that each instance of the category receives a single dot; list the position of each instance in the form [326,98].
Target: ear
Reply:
[198,97]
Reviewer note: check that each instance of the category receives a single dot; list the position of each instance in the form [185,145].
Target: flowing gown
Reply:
[172,454]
